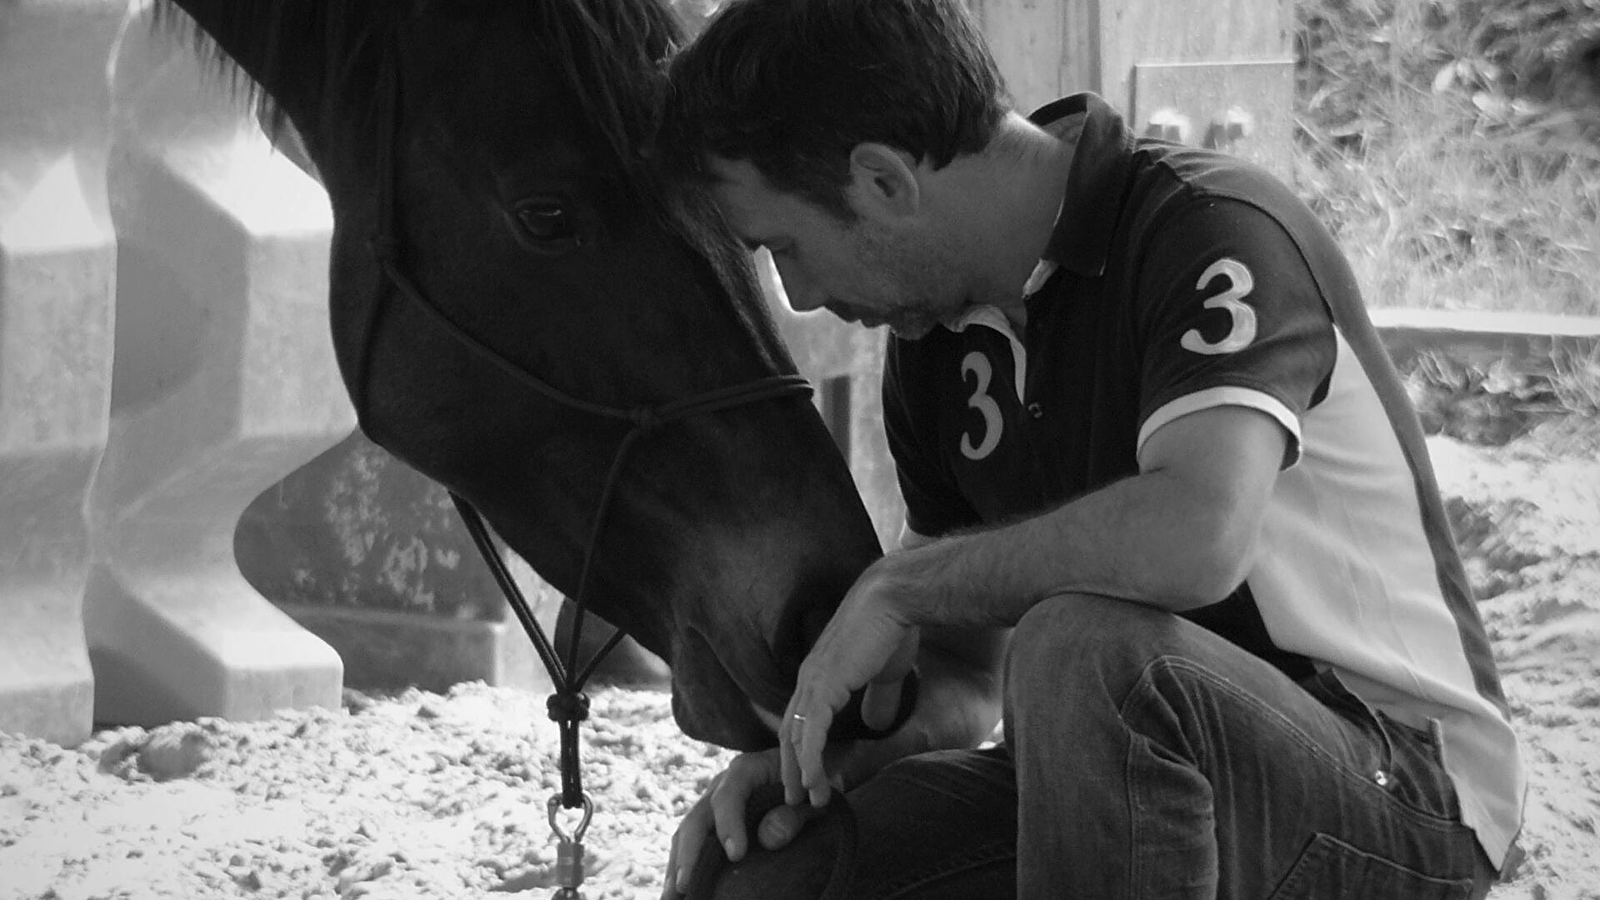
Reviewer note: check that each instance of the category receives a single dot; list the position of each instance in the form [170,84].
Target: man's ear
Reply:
[884,180]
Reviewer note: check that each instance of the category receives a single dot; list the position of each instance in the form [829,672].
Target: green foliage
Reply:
[1454,146]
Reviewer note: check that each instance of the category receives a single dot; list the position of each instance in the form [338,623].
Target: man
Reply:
[1141,422]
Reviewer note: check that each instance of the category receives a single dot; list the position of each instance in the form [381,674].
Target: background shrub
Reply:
[1454,147]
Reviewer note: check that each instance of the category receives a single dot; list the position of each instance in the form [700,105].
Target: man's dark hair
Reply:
[794,85]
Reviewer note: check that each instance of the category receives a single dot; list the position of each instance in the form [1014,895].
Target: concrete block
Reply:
[1532,342]
[385,650]
[224,381]
[371,556]
[57,259]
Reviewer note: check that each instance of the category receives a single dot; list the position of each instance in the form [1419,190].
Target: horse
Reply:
[521,311]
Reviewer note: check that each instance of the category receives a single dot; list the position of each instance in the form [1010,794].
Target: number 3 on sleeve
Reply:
[1243,328]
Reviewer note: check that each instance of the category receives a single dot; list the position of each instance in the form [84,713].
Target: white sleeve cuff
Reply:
[1226,396]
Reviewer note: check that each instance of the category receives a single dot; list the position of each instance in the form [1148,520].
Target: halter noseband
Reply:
[568,705]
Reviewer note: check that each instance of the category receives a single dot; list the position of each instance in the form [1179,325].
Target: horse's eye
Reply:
[548,222]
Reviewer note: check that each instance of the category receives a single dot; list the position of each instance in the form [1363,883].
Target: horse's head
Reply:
[494,151]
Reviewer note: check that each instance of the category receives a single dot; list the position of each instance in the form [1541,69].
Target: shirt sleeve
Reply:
[1229,314]
[934,505]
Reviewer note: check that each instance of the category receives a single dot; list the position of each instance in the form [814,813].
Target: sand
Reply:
[444,796]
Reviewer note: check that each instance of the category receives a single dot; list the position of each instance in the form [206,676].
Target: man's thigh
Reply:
[1210,773]
[938,826]
[1155,758]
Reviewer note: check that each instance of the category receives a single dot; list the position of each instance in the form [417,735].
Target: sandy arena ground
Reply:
[423,795]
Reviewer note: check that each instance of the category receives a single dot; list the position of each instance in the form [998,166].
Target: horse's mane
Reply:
[610,54]
[284,27]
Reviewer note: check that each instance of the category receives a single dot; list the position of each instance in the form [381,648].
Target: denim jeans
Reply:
[1146,757]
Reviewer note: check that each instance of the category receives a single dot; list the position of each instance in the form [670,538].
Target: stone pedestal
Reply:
[57,262]
[224,381]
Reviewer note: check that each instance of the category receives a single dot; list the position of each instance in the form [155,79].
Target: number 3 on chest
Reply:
[976,365]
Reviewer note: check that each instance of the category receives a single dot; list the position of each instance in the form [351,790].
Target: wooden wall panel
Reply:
[1047,48]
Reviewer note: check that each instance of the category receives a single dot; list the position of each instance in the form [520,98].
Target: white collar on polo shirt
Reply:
[990,316]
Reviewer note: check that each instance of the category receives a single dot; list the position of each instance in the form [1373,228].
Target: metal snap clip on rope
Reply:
[569,849]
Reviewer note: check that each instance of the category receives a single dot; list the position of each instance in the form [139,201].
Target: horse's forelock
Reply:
[612,55]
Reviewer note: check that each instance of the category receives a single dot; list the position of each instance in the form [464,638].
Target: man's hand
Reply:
[867,644]
[720,814]
[957,707]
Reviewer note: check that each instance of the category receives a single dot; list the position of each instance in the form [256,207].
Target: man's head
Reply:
[812,121]
[794,85]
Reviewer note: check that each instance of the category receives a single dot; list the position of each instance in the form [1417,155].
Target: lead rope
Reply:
[568,706]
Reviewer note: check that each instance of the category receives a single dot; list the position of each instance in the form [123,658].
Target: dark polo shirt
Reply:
[1181,280]
[1105,345]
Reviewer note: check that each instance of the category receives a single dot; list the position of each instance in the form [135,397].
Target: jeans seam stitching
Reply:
[1134,699]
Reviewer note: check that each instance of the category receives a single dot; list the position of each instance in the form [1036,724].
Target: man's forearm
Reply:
[1143,539]
[1179,535]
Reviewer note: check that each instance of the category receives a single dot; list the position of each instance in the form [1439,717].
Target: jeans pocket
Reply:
[1405,760]
[1425,738]
[1330,869]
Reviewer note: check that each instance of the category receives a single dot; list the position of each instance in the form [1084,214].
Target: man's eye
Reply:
[548,222]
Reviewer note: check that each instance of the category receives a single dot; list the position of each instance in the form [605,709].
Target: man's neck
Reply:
[1010,195]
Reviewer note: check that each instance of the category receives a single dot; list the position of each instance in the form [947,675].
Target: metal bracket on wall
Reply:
[1242,107]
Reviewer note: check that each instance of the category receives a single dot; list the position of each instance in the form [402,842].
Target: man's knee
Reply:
[1086,630]
[1070,649]
[1087,653]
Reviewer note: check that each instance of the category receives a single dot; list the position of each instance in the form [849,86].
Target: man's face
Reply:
[864,271]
